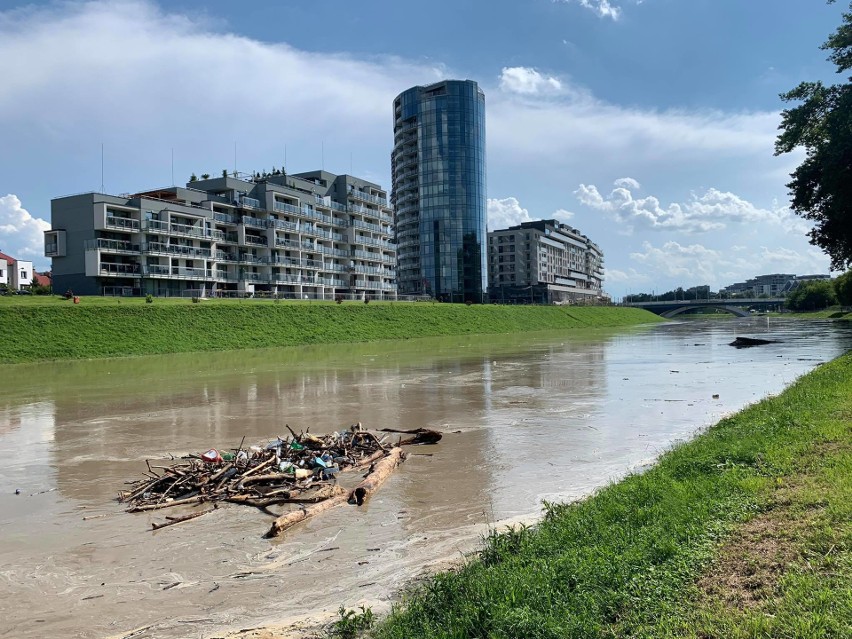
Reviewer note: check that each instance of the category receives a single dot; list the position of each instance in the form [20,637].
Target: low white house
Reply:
[15,274]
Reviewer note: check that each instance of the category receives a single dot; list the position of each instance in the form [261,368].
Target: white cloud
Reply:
[508,212]
[628,183]
[603,8]
[21,233]
[528,81]
[712,210]
[136,76]
[505,213]
[696,264]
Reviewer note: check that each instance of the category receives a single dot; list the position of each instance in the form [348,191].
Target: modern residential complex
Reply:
[438,167]
[774,285]
[309,235]
[15,274]
[544,262]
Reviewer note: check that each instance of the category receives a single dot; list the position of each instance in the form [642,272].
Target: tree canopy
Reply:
[811,296]
[843,288]
[821,187]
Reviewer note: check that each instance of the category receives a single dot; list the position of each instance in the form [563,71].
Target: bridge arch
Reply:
[733,310]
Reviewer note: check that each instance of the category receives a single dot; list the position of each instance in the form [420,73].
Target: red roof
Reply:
[41,279]
[11,260]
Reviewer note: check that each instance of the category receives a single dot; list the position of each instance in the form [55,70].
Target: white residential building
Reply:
[544,262]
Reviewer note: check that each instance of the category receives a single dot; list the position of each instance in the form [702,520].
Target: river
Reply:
[527,418]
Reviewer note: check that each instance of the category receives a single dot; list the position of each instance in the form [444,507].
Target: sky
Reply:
[649,125]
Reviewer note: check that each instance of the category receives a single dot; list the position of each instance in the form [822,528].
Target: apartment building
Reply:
[544,262]
[15,274]
[438,168]
[310,235]
[772,285]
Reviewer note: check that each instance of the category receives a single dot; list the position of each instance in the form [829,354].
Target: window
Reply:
[23,274]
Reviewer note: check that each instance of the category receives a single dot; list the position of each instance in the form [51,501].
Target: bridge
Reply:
[739,307]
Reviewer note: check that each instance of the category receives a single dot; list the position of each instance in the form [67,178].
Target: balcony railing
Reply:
[223,256]
[254,221]
[326,250]
[285,225]
[375,228]
[366,197]
[104,244]
[175,249]
[250,202]
[122,223]
[112,268]
[257,241]
[286,208]
[226,219]
[247,258]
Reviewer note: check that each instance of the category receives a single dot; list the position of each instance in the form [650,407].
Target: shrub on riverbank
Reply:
[63,330]
[745,531]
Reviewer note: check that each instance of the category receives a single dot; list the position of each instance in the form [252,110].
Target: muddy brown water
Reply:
[527,418]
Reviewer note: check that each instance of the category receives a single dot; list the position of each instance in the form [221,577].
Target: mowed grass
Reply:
[683,550]
[34,329]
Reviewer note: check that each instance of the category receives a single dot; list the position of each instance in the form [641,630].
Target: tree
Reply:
[843,288]
[811,296]
[821,189]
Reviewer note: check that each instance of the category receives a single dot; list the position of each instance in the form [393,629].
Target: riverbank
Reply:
[52,328]
[744,531]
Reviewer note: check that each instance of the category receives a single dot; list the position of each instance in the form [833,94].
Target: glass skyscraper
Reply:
[438,167]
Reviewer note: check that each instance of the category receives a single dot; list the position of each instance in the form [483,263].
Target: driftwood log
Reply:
[421,436]
[378,473]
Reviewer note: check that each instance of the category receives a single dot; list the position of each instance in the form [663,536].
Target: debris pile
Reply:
[302,469]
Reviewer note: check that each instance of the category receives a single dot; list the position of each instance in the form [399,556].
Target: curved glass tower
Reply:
[438,167]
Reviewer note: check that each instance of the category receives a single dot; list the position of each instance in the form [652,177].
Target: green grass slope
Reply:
[61,330]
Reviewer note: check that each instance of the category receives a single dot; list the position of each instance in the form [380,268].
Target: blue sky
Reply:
[647,124]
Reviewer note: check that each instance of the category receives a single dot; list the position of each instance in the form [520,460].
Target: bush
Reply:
[149,299]
[338,299]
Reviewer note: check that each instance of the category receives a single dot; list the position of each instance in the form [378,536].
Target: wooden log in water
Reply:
[290,519]
[380,471]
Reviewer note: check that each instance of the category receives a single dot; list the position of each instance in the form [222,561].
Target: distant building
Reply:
[309,235]
[438,166]
[41,279]
[15,274]
[544,262]
[773,285]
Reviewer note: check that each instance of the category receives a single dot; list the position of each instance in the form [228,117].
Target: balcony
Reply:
[326,250]
[284,207]
[366,197]
[289,243]
[285,225]
[123,223]
[247,258]
[375,228]
[253,221]
[250,202]
[223,256]
[111,246]
[174,249]
[254,277]
[255,240]
[119,270]
[179,272]
[224,218]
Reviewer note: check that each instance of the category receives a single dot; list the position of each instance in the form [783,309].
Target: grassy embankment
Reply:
[745,531]
[42,329]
